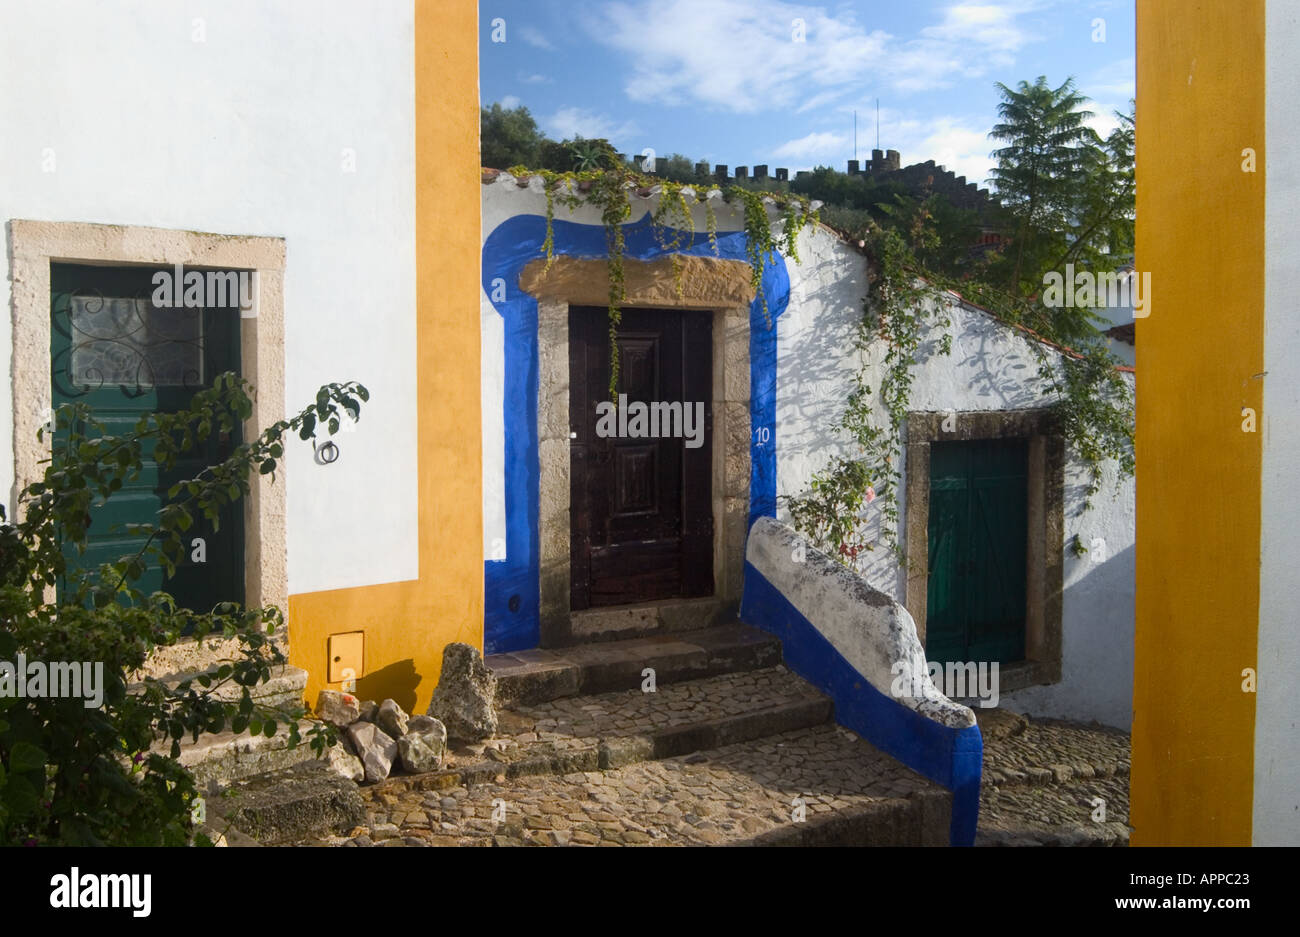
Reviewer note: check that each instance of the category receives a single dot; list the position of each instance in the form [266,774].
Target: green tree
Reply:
[1040,172]
[589,155]
[509,137]
[110,775]
[1102,234]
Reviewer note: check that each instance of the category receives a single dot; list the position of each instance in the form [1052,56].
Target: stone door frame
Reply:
[1045,554]
[709,286]
[34,245]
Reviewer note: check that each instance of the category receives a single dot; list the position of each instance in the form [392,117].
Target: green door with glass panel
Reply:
[975,600]
[113,349]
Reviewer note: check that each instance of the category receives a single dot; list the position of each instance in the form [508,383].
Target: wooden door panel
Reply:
[641,506]
[975,602]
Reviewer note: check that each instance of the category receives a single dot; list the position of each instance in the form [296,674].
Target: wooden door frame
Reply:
[1045,556]
[33,246]
[722,292]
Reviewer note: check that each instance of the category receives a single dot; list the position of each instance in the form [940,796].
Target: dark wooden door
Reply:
[642,521]
[975,602]
[113,349]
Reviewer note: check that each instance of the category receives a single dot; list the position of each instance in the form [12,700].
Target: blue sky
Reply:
[725,80]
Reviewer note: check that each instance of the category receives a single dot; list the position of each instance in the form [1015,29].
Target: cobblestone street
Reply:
[540,782]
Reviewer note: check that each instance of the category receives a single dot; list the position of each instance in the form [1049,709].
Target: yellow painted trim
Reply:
[407,624]
[1200,232]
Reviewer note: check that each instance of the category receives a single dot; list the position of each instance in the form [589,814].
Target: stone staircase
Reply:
[225,757]
[729,747]
[258,790]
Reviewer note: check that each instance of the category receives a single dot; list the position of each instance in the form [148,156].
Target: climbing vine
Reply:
[898,311]
[608,189]
[1091,399]
[905,303]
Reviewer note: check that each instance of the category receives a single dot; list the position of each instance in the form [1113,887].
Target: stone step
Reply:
[291,804]
[283,691]
[811,786]
[527,677]
[610,730]
[616,623]
[225,757]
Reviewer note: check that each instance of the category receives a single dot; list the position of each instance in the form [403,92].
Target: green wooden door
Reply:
[111,348]
[975,601]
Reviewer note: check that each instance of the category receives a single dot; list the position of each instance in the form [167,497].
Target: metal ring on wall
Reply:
[327,452]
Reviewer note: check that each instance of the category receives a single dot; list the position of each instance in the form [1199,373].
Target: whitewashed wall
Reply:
[1277,777]
[990,367]
[244,133]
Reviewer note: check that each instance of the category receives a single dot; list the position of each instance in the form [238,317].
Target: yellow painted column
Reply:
[407,624]
[1200,233]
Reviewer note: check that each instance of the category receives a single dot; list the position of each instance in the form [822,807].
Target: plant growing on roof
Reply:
[608,190]
[1090,398]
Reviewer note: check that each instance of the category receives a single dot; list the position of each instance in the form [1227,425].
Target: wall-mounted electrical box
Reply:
[347,651]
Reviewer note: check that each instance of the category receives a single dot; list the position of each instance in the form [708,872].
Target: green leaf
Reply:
[26,757]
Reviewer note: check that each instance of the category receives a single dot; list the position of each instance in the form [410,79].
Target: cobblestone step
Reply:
[820,785]
[283,691]
[610,730]
[1050,751]
[1054,783]
[526,677]
[1069,814]
[646,618]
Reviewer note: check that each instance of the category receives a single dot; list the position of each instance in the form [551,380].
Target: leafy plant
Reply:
[1091,399]
[110,774]
[608,189]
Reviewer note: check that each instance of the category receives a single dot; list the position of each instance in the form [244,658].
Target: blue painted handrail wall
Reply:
[947,756]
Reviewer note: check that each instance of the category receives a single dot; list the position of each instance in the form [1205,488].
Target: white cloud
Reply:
[535,79]
[534,37]
[813,146]
[576,122]
[740,55]
[955,145]
[509,101]
[1111,88]
[992,26]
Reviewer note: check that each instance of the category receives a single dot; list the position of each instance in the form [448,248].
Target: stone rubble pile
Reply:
[379,738]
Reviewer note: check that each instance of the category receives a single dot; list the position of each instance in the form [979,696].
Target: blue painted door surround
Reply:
[511,585]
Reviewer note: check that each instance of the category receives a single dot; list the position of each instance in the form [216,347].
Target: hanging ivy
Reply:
[904,303]
[1091,399]
[897,313]
[608,190]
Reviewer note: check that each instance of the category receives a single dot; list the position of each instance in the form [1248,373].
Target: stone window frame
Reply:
[1045,554]
[33,247]
[709,286]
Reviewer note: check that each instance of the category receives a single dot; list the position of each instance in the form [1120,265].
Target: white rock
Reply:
[340,709]
[376,749]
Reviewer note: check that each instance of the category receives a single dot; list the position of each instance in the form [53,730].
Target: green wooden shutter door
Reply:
[124,359]
[977,538]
